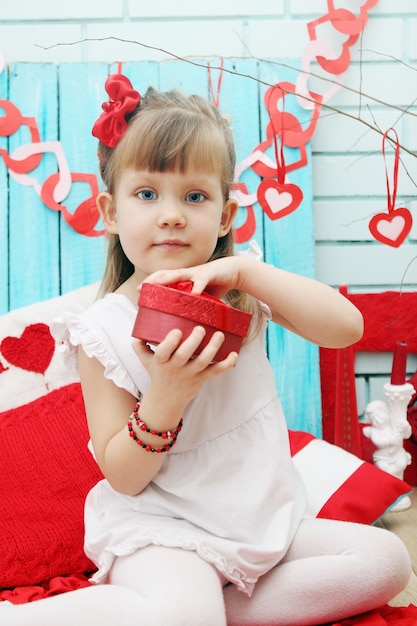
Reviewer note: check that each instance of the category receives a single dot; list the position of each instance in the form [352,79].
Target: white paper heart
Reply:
[277,201]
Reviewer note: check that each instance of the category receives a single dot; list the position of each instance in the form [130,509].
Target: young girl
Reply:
[209,531]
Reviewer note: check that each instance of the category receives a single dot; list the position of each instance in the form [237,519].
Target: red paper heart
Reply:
[245,231]
[85,216]
[269,170]
[278,200]
[11,119]
[391,228]
[32,351]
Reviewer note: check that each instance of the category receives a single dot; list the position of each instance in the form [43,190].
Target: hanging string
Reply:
[279,152]
[391,199]
[215,97]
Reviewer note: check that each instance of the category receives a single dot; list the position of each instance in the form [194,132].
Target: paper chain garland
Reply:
[54,189]
[276,195]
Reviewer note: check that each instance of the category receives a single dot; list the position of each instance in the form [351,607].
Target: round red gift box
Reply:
[165,307]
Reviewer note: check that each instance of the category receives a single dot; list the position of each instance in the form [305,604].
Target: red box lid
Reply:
[204,308]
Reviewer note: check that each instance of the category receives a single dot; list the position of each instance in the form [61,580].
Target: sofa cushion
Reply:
[46,472]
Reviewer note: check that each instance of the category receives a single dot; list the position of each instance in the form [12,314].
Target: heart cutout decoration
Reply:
[278,199]
[32,351]
[391,228]
[85,216]
[245,231]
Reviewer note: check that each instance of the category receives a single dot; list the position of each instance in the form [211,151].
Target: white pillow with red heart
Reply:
[30,364]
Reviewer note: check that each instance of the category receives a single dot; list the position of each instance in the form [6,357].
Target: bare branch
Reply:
[311,99]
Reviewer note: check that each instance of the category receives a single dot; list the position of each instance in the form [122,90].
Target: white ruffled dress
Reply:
[228,489]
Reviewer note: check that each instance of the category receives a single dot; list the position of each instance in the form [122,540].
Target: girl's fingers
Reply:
[226,364]
[168,345]
[172,348]
[205,358]
[182,352]
[163,351]
[209,351]
[186,350]
[141,347]
[199,277]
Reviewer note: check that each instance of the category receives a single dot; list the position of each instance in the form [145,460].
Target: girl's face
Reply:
[167,220]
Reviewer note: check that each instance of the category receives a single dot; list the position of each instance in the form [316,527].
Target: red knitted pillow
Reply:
[46,472]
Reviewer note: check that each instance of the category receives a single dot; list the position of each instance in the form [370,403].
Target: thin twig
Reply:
[234,72]
[405,272]
[258,80]
[393,58]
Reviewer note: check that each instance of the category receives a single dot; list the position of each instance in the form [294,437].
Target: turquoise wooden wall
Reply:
[41,255]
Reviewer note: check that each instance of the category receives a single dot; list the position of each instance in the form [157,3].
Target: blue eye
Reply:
[195,197]
[146,194]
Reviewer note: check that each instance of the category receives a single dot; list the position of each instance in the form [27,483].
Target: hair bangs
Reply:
[176,140]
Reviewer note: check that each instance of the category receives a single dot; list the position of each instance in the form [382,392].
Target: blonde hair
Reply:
[168,131]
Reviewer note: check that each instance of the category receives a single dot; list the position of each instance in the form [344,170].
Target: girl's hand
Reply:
[307,307]
[216,277]
[176,375]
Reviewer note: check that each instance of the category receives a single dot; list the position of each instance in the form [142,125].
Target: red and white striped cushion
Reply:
[340,485]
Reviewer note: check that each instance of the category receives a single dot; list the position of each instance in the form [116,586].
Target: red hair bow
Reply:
[111,125]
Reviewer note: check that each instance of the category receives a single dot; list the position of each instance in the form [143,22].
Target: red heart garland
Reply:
[11,119]
[278,199]
[247,229]
[28,163]
[32,351]
[391,228]
[86,215]
[346,22]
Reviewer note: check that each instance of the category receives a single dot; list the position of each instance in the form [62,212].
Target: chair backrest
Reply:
[389,317]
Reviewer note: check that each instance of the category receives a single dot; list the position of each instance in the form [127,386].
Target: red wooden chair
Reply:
[389,317]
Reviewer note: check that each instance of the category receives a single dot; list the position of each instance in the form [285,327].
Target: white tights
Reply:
[332,570]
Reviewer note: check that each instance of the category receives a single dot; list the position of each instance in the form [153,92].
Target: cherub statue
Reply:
[389,455]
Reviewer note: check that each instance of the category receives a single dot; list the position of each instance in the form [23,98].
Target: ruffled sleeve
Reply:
[104,332]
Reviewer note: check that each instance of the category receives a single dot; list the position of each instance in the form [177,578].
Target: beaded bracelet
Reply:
[168,434]
[172,435]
